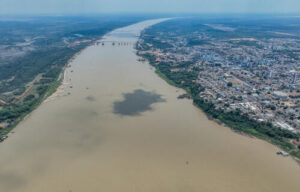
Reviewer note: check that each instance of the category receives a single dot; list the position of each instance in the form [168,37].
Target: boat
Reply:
[283,153]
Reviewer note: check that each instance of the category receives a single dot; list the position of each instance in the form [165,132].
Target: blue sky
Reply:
[150,6]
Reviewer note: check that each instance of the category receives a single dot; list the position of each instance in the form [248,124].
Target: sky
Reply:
[147,6]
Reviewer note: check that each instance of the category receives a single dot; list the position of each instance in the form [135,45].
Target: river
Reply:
[116,126]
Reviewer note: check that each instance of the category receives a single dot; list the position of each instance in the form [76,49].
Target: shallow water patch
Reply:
[136,102]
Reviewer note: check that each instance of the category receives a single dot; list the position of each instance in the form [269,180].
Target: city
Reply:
[236,68]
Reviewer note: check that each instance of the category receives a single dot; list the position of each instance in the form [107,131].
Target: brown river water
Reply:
[117,126]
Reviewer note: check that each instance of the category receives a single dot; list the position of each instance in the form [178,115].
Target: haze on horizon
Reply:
[13,7]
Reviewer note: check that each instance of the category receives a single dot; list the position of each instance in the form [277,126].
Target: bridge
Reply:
[114,43]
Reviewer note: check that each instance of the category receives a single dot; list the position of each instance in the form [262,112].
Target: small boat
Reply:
[283,153]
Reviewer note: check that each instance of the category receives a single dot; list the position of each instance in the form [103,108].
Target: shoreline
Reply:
[46,97]
[216,120]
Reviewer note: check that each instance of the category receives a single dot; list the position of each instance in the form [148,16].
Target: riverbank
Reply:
[52,88]
[235,120]
[48,91]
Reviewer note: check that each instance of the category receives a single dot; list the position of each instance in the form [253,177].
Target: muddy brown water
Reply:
[122,128]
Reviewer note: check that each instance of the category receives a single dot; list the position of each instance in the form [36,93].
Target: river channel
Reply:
[116,126]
